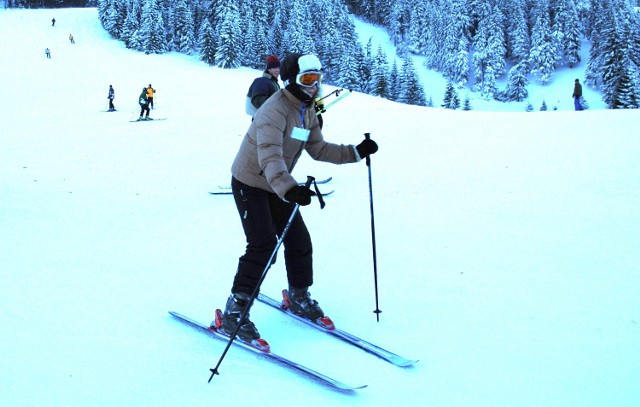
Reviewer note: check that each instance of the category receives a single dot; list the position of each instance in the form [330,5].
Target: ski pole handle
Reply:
[310,180]
[368,159]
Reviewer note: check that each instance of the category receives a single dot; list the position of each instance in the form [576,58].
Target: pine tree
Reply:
[296,36]
[543,107]
[107,13]
[517,32]
[619,72]
[254,42]
[454,54]
[529,107]
[467,104]
[379,75]
[568,27]
[152,29]
[228,52]
[350,69]
[207,44]
[184,36]
[489,56]
[132,26]
[450,97]
[543,55]
[394,82]
[411,90]
[277,32]
[364,67]
[399,22]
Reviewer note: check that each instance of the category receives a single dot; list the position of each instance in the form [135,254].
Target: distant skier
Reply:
[111,96]
[53,22]
[71,40]
[577,94]
[144,105]
[150,94]
[264,86]
[47,53]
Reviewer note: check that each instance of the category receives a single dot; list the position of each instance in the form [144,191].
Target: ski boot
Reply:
[229,320]
[299,302]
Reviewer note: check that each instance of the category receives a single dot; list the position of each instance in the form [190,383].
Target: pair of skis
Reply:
[148,120]
[226,189]
[263,348]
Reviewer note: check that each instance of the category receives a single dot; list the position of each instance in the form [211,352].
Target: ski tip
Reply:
[405,362]
[346,387]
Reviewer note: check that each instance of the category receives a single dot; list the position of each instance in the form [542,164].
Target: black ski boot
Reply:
[231,317]
[301,303]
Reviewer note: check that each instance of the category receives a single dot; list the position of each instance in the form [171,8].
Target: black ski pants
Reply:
[144,108]
[264,216]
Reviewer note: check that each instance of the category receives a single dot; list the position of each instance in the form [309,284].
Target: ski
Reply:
[338,333]
[225,192]
[217,333]
[150,120]
[339,97]
[322,181]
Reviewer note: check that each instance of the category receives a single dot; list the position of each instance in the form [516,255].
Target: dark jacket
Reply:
[142,100]
[577,90]
[259,91]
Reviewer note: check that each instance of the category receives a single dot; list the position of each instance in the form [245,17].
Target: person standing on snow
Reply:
[264,86]
[266,193]
[144,105]
[150,94]
[71,40]
[111,96]
[53,22]
[47,53]
[577,94]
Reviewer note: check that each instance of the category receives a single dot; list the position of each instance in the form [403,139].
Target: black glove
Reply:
[366,148]
[300,195]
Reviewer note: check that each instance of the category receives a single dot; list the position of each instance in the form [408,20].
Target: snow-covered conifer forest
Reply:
[493,47]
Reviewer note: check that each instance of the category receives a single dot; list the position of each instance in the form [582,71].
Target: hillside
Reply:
[507,243]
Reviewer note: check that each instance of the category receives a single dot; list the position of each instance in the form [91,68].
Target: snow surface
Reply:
[507,243]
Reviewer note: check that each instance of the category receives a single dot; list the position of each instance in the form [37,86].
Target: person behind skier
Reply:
[47,53]
[144,105]
[266,193]
[577,94]
[111,96]
[264,86]
[150,94]
[53,22]
[71,40]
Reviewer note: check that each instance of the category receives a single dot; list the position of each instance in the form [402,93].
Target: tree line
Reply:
[475,42]
[234,33]
[472,43]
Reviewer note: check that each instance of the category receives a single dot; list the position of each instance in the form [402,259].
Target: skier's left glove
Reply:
[300,195]
[366,148]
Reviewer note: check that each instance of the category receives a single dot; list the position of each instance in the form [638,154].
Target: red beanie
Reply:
[273,62]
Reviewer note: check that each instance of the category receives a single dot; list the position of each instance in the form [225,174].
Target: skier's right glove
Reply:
[300,195]
[366,148]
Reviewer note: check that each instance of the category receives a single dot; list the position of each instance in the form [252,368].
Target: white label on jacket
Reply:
[300,134]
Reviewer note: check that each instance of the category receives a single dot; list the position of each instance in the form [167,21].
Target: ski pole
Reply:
[377,311]
[294,212]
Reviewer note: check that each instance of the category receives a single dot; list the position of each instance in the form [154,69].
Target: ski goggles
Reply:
[309,79]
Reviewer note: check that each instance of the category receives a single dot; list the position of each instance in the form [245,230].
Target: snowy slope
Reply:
[507,242]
